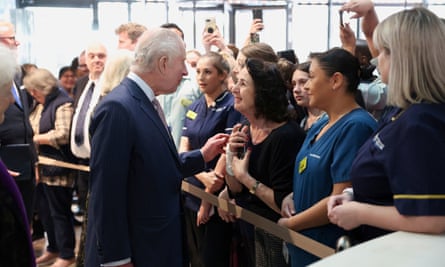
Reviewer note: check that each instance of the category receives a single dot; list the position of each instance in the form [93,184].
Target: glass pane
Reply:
[308,32]
[59,35]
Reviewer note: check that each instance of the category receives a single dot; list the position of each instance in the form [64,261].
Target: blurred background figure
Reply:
[299,79]
[67,80]
[51,120]
[79,65]
[17,148]
[192,57]
[15,234]
[115,70]
[128,35]
[28,68]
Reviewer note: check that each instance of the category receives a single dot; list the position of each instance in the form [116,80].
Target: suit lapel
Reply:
[148,108]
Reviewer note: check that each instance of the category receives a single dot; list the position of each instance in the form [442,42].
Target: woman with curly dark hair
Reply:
[262,177]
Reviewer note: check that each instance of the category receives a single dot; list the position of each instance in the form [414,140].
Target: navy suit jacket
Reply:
[135,206]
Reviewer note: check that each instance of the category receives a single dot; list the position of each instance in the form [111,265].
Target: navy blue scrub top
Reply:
[203,122]
[402,164]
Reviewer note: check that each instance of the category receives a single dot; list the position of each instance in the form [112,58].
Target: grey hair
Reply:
[154,44]
[8,66]
[414,41]
[42,80]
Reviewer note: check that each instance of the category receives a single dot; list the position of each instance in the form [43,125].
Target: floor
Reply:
[40,244]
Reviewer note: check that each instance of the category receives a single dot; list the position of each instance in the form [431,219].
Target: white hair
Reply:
[153,44]
[8,66]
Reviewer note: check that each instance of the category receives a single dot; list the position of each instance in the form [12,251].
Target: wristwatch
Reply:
[253,189]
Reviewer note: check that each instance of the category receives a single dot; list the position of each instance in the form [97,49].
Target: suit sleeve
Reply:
[192,162]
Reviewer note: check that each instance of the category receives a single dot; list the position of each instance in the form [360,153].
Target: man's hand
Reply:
[214,146]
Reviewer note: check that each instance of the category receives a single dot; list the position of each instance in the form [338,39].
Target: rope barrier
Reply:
[316,248]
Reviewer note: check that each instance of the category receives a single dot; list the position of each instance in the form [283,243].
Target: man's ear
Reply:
[162,64]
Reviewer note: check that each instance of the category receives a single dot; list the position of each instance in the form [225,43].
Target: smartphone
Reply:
[344,19]
[257,13]
[210,25]
[340,13]
[242,151]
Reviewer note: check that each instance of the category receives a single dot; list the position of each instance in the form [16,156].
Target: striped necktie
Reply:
[158,108]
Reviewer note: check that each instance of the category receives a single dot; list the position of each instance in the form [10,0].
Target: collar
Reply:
[142,84]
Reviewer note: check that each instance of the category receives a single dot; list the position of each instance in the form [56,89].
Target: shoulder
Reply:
[422,117]
[288,133]
[360,117]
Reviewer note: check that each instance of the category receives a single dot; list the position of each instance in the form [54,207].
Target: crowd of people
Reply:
[342,144]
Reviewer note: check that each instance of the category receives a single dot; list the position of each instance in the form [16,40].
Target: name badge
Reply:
[186,102]
[191,115]
[302,166]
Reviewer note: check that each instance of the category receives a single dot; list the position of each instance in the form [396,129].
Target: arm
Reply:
[184,144]
[262,191]
[347,38]
[317,215]
[365,9]
[352,214]
[60,134]
[256,26]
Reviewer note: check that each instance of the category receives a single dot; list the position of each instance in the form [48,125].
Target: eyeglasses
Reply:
[82,66]
[12,38]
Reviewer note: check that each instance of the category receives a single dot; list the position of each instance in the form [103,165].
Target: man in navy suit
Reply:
[135,211]
[15,238]
[16,131]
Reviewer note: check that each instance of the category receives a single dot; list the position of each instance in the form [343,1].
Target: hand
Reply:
[13,173]
[239,137]
[240,166]
[287,206]
[207,41]
[214,146]
[257,26]
[284,222]
[204,213]
[210,181]
[225,215]
[218,41]
[346,214]
[337,200]
[347,38]
[359,7]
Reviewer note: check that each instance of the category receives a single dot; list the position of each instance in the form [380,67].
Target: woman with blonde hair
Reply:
[397,175]
[115,70]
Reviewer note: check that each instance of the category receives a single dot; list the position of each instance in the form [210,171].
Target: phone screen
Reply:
[257,13]
[340,13]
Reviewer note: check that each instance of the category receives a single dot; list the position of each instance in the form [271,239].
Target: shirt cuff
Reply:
[116,263]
